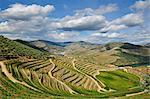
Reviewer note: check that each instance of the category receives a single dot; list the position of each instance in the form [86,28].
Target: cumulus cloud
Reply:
[124,22]
[99,11]
[82,23]
[23,12]
[140,36]
[18,26]
[33,21]
[63,35]
[33,18]
[105,35]
[92,19]
[19,18]
[4,27]
[139,5]
[85,19]
[113,27]
[133,19]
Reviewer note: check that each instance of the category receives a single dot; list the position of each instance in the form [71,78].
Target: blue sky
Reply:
[67,7]
[97,21]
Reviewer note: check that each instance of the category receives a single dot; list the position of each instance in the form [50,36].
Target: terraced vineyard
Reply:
[55,77]
[72,77]
[87,68]
[27,72]
[29,75]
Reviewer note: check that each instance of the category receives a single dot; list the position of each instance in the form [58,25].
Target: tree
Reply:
[146,82]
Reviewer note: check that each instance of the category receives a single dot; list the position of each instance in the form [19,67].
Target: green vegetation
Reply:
[118,80]
[86,67]
[146,82]
[66,73]
[32,73]
[63,75]
[12,49]
[29,74]
[131,59]
[9,89]
[139,96]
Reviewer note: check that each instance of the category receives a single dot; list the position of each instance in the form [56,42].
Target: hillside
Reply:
[51,47]
[147,45]
[116,53]
[111,53]
[10,49]
[28,71]
[28,44]
[74,49]
[61,77]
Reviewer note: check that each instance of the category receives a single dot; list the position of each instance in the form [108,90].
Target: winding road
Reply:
[99,87]
[50,74]
[10,77]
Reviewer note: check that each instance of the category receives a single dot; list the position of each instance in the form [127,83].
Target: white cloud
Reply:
[91,19]
[18,26]
[141,5]
[86,19]
[33,18]
[63,35]
[133,19]
[82,23]
[19,18]
[113,27]
[5,28]
[137,37]
[32,21]
[105,35]
[99,11]
[23,12]
[116,27]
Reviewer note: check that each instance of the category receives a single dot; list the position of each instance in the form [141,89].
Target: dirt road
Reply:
[5,71]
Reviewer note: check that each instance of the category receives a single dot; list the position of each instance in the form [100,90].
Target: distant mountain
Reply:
[122,45]
[112,53]
[80,46]
[28,44]
[58,47]
[147,45]
[49,46]
[116,53]
[81,69]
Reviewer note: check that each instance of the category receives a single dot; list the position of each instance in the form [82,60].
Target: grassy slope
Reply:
[82,93]
[130,59]
[117,54]
[118,80]
[140,96]
[115,57]
[9,47]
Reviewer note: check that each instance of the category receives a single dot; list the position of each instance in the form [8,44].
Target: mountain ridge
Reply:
[100,53]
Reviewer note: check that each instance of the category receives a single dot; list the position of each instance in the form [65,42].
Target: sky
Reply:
[96,21]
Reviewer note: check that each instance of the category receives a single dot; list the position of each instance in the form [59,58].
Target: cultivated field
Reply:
[55,77]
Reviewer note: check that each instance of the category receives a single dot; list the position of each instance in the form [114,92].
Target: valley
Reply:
[44,69]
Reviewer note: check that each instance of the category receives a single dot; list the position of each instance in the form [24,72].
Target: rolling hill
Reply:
[10,49]
[115,53]
[32,70]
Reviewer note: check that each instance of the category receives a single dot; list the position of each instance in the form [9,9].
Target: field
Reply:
[28,72]
[113,79]
[56,77]
[140,96]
